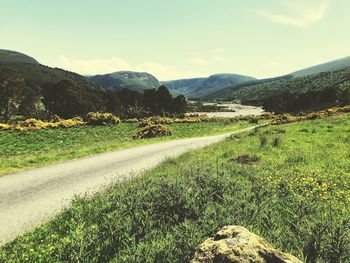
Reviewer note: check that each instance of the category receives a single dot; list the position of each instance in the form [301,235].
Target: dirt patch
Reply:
[245,159]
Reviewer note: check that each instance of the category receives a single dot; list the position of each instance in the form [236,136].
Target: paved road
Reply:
[31,197]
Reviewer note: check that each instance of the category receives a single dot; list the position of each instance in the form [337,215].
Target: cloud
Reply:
[104,66]
[198,61]
[218,58]
[93,66]
[304,13]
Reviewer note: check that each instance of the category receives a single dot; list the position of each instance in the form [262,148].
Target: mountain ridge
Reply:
[132,80]
[200,87]
[323,67]
[11,56]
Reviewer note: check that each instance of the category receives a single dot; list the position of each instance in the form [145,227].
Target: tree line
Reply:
[294,102]
[68,98]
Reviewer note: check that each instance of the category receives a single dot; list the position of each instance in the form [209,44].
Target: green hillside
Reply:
[229,93]
[13,56]
[137,81]
[40,88]
[201,87]
[37,74]
[317,90]
[332,65]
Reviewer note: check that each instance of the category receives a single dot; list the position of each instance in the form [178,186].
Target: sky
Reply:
[178,38]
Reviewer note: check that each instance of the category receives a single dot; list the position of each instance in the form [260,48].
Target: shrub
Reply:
[55,118]
[263,141]
[100,118]
[31,124]
[152,131]
[34,124]
[133,120]
[245,159]
[145,123]
[276,141]
[77,121]
[4,127]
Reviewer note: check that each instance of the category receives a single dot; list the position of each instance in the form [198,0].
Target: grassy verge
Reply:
[288,183]
[20,150]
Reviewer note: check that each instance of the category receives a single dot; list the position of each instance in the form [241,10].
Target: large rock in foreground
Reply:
[235,244]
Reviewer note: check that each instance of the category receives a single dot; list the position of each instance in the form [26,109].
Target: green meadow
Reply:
[288,183]
[21,150]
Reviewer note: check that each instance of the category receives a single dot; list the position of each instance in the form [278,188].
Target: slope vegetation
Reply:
[329,66]
[137,81]
[37,74]
[293,94]
[201,87]
[13,56]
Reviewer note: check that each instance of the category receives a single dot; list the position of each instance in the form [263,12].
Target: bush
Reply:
[55,118]
[100,118]
[4,127]
[133,120]
[263,141]
[77,121]
[31,124]
[56,122]
[152,131]
[276,141]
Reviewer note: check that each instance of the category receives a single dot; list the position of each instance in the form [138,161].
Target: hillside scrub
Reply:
[102,118]
[152,131]
[289,94]
[296,197]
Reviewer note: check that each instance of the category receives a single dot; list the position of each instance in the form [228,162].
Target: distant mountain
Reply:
[13,56]
[201,87]
[237,92]
[332,65]
[126,79]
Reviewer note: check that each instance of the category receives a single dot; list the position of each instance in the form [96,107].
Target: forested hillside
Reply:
[29,89]
[295,94]
[201,87]
[328,66]
[137,81]
[14,56]
[228,92]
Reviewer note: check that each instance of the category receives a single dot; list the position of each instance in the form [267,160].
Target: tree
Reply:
[179,104]
[67,99]
[113,103]
[11,88]
[150,100]
[30,102]
[164,100]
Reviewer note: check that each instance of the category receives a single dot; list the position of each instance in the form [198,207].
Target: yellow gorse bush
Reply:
[287,118]
[312,183]
[152,131]
[102,118]
[34,124]
[133,120]
[4,127]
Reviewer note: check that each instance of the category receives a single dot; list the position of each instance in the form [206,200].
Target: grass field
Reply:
[20,150]
[289,184]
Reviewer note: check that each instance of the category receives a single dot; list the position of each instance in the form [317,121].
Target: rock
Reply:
[235,244]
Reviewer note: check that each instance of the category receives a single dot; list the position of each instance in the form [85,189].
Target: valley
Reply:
[227,109]
[105,167]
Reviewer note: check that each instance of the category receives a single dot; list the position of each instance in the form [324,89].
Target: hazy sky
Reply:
[178,38]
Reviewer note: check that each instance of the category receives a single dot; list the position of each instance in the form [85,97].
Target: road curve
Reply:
[31,197]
